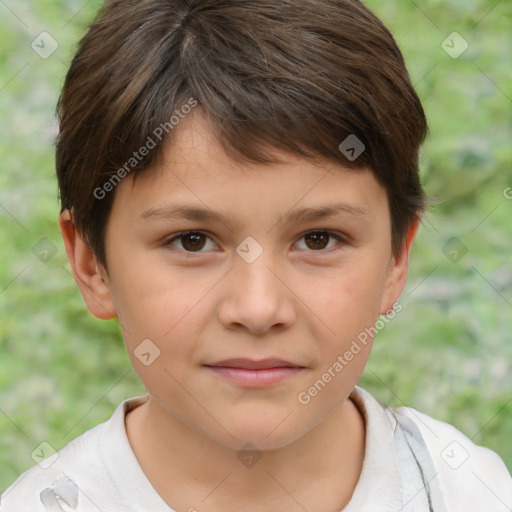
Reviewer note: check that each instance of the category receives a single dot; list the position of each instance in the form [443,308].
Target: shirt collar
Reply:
[379,483]
[129,479]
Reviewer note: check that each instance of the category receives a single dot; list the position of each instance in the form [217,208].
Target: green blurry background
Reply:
[448,353]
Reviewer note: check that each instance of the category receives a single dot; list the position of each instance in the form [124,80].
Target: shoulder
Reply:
[472,478]
[76,476]
[460,475]
[55,475]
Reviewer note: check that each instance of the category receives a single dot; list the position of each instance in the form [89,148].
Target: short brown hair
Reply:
[300,75]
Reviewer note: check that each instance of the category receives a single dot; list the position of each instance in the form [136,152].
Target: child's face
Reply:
[303,300]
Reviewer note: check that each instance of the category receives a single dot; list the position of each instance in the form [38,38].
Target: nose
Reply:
[257,297]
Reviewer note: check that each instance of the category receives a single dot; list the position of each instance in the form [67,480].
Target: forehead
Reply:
[195,173]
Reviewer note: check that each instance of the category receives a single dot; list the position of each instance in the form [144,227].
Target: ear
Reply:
[91,278]
[398,271]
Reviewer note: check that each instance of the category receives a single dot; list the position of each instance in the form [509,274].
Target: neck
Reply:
[319,470]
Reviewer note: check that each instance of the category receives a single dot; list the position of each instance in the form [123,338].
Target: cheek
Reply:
[158,303]
[154,308]
[346,307]
[162,317]
[347,299]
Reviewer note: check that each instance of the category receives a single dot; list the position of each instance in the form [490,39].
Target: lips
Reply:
[251,364]
[250,373]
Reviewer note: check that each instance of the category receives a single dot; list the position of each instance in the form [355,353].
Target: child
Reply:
[239,187]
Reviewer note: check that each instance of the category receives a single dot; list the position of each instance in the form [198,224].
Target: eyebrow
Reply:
[196,213]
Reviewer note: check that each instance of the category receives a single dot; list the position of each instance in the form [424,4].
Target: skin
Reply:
[297,301]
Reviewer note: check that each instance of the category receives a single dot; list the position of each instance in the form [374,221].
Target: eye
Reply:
[318,241]
[190,241]
[195,241]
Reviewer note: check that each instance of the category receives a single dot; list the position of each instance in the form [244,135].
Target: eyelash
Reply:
[341,240]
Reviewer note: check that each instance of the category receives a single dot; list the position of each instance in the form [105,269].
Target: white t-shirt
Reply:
[413,463]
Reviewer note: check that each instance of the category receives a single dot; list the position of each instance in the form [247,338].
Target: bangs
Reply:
[303,76]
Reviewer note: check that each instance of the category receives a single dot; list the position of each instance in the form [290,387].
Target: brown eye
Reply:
[193,241]
[320,240]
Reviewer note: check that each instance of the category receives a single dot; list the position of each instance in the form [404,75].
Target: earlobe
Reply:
[90,277]
[398,271]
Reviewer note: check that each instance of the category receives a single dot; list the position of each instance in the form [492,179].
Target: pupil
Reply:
[193,241]
[318,239]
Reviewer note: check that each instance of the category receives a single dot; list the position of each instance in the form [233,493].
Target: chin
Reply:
[265,431]
[258,441]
